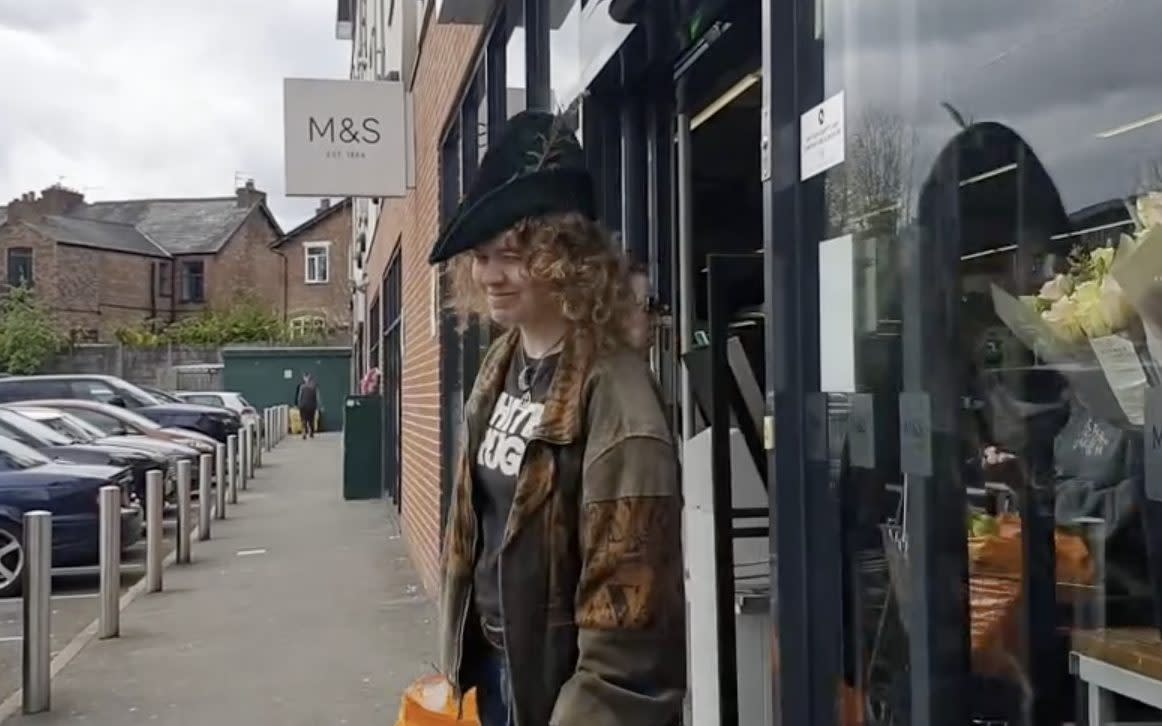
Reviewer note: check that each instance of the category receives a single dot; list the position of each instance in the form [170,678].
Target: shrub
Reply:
[29,335]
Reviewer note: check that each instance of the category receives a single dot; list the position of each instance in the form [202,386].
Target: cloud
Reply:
[1059,74]
[130,98]
[41,15]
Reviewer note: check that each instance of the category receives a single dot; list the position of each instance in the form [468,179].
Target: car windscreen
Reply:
[135,420]
[67,429]
[16,456]
[136,396]
[112,419]
[44,435]
[205,399]
[83,429]
[163,396]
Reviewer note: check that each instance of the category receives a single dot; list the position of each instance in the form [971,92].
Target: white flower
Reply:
[1062,318]
[1057,288]
[1116,311]
[1149,208]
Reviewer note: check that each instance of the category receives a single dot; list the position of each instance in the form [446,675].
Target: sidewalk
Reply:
[303,610]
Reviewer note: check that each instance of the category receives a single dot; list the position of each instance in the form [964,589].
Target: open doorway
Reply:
[727,521]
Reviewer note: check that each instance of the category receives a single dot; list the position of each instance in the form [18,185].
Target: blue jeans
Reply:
[493,694]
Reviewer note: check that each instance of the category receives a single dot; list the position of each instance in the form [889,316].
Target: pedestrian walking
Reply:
[562,599]
[307,400]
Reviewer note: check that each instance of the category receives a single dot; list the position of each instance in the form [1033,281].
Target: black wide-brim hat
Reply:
[535,169]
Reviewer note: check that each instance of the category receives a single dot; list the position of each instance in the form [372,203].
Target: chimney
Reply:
[324,205]
[56,200]
[248,196]
[60,200]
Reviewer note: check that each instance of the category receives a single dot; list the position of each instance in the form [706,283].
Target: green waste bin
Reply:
[362,442]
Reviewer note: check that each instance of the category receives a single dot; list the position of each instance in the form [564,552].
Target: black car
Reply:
[214,422]
[54,445]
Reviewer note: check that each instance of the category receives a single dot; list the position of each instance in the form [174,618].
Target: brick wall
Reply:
[448,53]
[332,298]
[44,266]
[87,289]
[246,264]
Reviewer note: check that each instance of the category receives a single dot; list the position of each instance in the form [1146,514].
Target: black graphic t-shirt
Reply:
[497,466]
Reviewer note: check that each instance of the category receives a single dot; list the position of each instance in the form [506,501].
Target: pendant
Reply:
[524,380]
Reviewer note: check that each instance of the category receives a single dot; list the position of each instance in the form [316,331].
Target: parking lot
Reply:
[74,608]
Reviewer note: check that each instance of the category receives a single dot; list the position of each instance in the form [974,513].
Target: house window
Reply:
[20,267]
[164,279]
[318,263]
[194,281]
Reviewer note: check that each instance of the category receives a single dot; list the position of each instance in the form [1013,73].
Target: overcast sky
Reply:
[139,98]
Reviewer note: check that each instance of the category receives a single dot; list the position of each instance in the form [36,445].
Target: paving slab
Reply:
[302,609]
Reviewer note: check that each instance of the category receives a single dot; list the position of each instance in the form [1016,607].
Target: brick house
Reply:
[105,265]
[317,269]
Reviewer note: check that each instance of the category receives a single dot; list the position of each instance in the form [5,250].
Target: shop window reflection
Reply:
[564,51]
[991,148]
[1050,455]
[516,79]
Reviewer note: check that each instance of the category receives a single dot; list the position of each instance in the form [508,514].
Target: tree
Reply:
[29,336]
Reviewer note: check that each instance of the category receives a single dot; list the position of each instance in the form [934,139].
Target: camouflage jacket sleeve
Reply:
[630,606]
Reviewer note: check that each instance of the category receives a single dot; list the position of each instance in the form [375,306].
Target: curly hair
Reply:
[572,257]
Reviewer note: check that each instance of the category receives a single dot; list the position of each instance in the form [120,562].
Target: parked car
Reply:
[214,422]
[228,400]
[81,431]
[16,425]
[30,481]
[117,421]
[164,396]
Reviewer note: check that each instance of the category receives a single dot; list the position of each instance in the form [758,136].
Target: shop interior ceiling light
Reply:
[1132,126]
[724,100]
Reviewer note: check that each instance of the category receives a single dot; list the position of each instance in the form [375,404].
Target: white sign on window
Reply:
[837,315]
[344,138]
[822,140]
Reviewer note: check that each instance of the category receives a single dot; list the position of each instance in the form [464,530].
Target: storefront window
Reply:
[565,51]
[988,349]
[514,59]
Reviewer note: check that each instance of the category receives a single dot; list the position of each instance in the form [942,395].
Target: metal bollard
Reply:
[244,456]
[268,429]
[254,450]
[109,558]
[258,446]
[205,498]
[220,480]
[232,468]
[250,452]
[37,602]
[185,469]
[154,496]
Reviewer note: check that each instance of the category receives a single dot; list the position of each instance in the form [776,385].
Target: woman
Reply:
[562,598]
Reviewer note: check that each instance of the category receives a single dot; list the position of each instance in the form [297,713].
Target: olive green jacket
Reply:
[591,563]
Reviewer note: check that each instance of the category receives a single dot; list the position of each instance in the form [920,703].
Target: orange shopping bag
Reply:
[429,702]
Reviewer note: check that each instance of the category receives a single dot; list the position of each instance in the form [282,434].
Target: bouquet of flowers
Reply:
[1086,302]
[1103,314]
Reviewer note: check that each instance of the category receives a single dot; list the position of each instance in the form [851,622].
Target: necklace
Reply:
[528,375]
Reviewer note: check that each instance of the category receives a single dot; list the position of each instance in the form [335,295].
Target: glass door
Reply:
[978,355]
